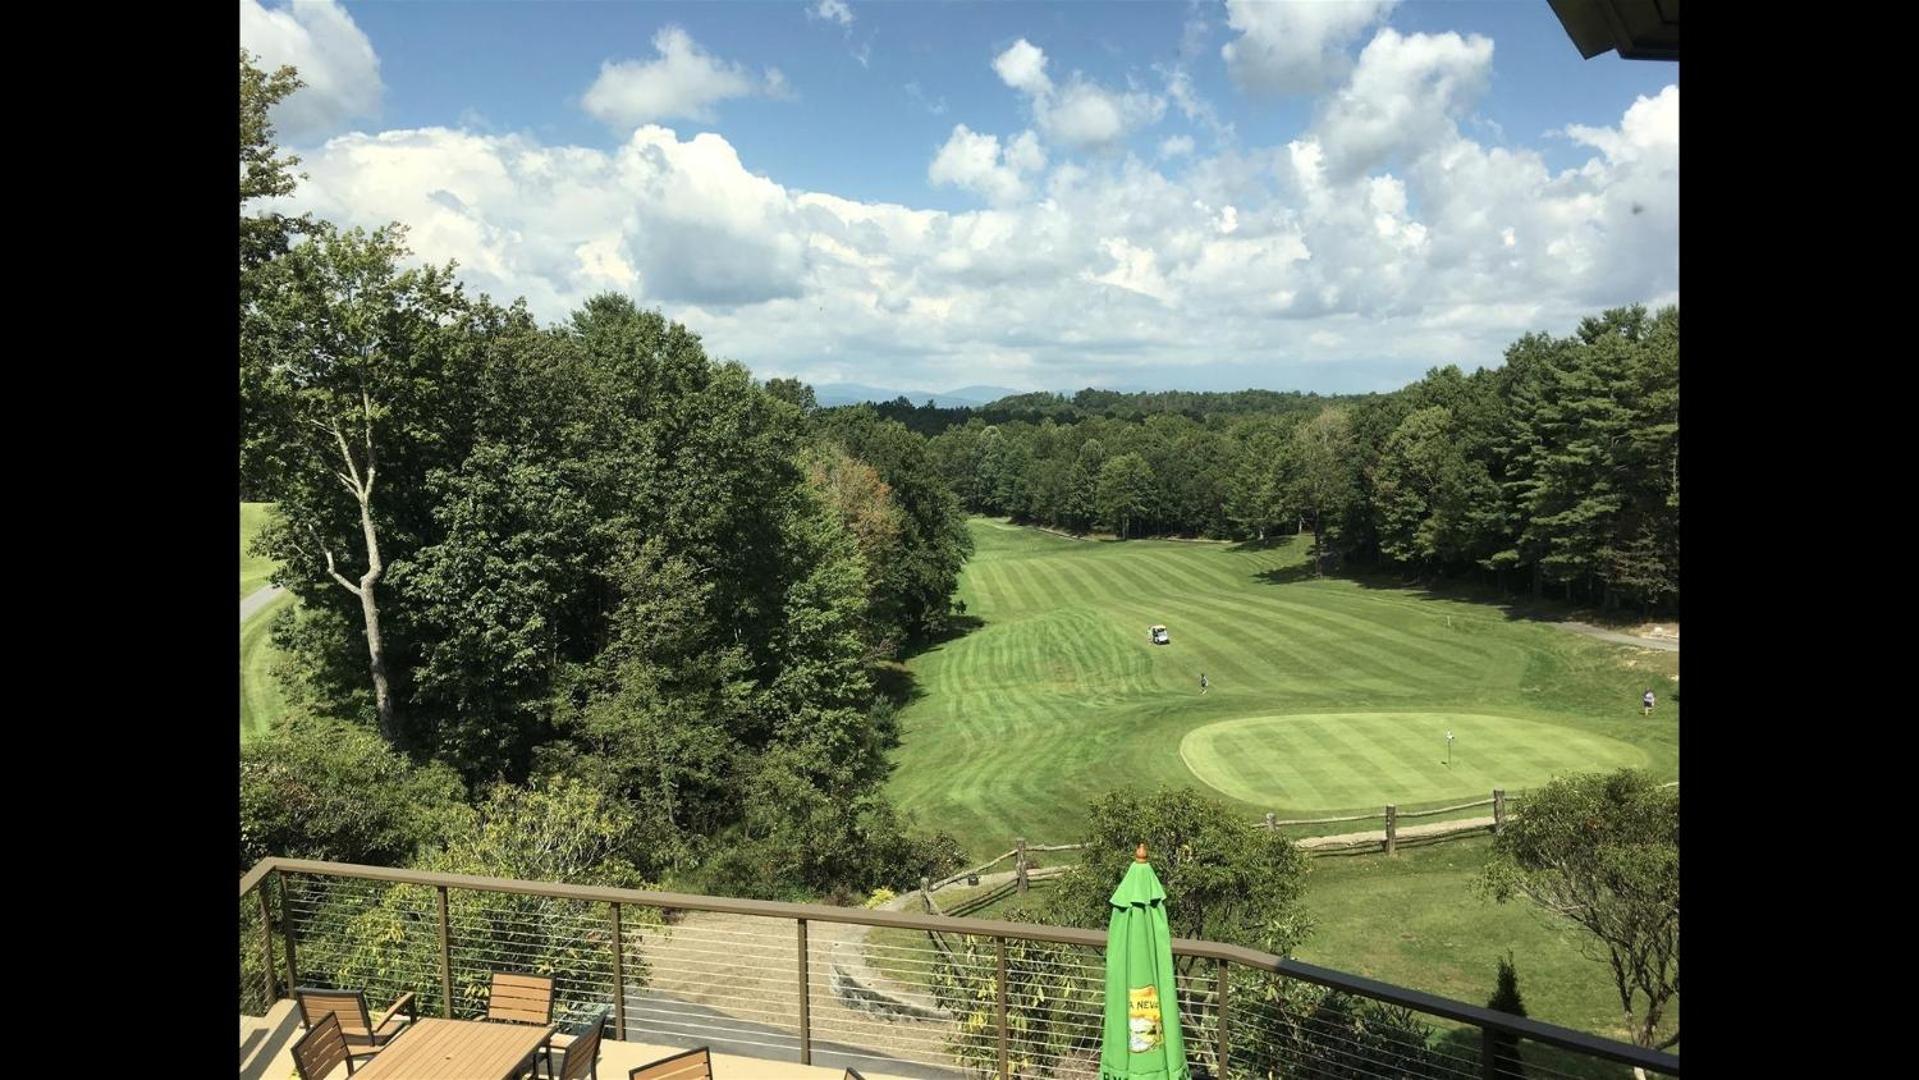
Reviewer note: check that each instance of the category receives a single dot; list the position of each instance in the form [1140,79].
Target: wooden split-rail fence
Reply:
[1388,840]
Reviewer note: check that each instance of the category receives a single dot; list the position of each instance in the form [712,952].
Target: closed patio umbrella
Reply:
[1142,1039]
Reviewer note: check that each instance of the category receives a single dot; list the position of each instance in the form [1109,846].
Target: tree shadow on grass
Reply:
[1459,1045]
[1272,543]
[1515,607]
[896,683]
[1286,575]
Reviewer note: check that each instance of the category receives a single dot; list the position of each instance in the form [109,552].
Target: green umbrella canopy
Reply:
[1142,1038]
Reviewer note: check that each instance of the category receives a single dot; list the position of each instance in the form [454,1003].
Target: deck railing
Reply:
[893,992]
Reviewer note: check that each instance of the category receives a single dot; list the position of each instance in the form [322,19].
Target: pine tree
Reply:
[1506,999]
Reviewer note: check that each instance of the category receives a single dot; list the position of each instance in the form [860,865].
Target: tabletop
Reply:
[433,1049]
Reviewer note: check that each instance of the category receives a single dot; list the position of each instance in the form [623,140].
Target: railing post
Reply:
[1019,863]
[999,994]
[1392,828]
[266,943]
[286,932]
[1488,1055]
[806,1011]
[446,960]
[1499,810]
[619,976]
[1219,994]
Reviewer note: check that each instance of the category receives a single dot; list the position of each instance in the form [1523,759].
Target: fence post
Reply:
[999,994]
[1392,828]
[806,1011]
[619,976]
[266,944]
[1219,992]
[446,960]
[1499,810]
[1019,864]
[286,931]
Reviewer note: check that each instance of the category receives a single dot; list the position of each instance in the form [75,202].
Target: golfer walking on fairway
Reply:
[1202,682]
[1647,702]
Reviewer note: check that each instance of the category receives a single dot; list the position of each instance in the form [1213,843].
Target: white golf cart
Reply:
[1158,635]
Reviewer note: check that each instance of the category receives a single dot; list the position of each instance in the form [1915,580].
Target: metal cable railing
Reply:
[257,991]
[807,983]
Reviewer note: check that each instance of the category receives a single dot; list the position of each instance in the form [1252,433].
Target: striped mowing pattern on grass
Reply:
[1058,696]
[1344,759]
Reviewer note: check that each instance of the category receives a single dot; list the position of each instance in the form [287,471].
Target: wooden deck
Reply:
[266,1053]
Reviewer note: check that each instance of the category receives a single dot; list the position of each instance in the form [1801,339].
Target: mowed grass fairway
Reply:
[1330,695]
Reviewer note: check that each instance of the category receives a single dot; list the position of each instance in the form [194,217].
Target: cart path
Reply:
[251,603]
[1663,644]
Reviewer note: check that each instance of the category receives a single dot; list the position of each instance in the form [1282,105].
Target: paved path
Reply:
[1663,644]
[251,603]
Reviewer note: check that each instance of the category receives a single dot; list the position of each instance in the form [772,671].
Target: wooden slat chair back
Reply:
[692,1065]
[583,1053]
[520,999]
[357,1023]
[321,1050]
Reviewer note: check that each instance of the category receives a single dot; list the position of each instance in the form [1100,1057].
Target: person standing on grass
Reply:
[1647,701]
[1202,682]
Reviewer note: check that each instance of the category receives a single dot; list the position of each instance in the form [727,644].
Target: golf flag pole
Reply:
[1449,748]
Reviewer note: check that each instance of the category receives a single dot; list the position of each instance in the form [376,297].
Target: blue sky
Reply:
[934,194]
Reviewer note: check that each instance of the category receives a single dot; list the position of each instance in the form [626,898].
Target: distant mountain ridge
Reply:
[831,394]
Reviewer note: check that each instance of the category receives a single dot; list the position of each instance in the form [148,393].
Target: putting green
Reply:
[1353,760]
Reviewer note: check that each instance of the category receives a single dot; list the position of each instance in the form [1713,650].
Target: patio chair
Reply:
[581,1053]
[321,1050]
[363,1034]
[692,1065]
[520,998]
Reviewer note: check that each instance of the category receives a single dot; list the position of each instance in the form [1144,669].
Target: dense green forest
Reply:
[586,560]
[1557,471]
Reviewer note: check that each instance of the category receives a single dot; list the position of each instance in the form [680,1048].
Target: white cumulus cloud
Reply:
[1083,115]
[684,82]
[1297,47]
[1261,266]
[333,56]
[1023,67]
[977,162]
[1406,95]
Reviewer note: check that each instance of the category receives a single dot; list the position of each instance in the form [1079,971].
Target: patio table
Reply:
[433,1049]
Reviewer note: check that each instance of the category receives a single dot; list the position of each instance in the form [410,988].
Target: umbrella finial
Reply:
[1140,855]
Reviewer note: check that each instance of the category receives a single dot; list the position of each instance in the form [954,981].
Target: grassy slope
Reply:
[1058,696]
[261,702]
[254,569]
[1414,920]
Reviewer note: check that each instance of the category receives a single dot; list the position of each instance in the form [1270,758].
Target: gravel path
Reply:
[251,603]
[1403,832]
